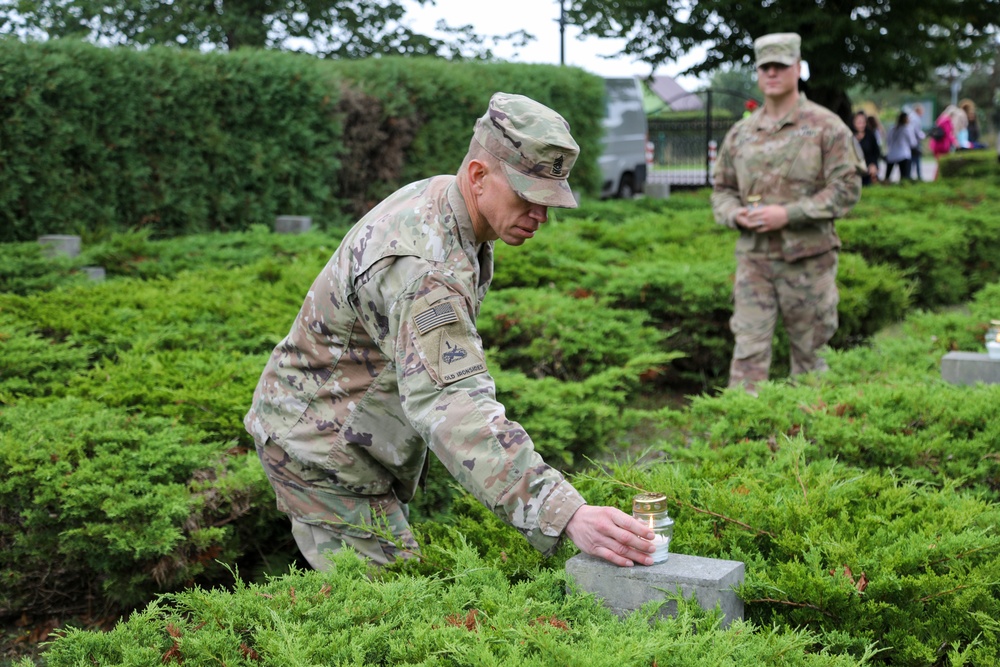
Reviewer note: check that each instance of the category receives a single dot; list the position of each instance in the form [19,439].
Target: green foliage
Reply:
[932,251]
[105,139]
[973,164]
[26,268]
[32,365]
[857,556]
[447,98]
[212,309]
[949,250]
[882,406]
[872,297]
[472,615]
[933,432]
[339,29]
[119,505]
[571,420]
[544,333]
[836,46]
[691,298]
[125,470]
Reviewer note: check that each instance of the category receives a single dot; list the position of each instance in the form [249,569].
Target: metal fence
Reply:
[684,150]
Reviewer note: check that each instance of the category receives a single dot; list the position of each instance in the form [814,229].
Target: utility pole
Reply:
[562,32]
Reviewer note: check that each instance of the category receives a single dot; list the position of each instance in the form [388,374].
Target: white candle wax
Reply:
[662,545]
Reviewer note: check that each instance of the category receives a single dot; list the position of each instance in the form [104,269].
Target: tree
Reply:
[739,85]
[875,42]
[333,28]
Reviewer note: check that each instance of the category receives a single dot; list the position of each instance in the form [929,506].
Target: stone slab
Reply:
[969,368]
[95,273]
[624,589]
[292,224]
[61,244]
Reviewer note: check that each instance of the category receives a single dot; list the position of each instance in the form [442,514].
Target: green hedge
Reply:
[105,504]
[444,99]
[858,556]
[976,164]
[472,616]
[98,140]
[945,236]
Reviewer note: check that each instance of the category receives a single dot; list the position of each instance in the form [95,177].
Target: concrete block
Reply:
[624,589]
[292,224]
[61,244]
[658,190]
[95,273]
[969,368]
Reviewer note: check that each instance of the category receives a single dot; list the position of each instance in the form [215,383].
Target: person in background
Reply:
[899,148]
[869,148]
[960,122]
[917,136]
[969,107]
[942,139]
[783,177]
[383,363]
[875,126]
[996,119]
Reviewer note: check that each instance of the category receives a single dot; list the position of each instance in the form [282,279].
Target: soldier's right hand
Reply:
[609,533]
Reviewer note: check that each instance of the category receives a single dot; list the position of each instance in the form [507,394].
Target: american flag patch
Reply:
[439,315]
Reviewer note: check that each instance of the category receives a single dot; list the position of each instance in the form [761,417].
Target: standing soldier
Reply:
[383,362]
[782,178]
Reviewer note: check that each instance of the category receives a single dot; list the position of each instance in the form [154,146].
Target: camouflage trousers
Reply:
[326,518]
[317,541]
[804,292]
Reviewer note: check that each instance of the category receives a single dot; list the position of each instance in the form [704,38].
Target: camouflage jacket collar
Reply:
[760,122]
[480,254]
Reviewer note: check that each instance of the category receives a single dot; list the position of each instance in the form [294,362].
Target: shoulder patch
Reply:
[434,317]
[459,359]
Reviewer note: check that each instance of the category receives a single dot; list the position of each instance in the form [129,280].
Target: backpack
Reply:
[936,133]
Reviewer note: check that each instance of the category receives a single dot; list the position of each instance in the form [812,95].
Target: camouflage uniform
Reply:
[383,362]
[806,162]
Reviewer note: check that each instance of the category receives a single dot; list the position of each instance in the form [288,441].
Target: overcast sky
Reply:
[539,18]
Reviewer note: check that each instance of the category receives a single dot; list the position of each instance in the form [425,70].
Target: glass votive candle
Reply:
[651,509]
[992,340]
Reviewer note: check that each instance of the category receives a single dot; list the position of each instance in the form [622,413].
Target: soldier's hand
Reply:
[743,219]
[609,533]
[768,218]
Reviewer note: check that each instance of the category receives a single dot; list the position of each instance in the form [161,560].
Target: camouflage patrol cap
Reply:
[778,47]
[534,145]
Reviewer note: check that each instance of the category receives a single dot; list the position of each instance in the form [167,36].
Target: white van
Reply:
[623,162]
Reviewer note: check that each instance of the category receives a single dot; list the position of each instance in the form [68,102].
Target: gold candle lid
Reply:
[649,502]
[753,199]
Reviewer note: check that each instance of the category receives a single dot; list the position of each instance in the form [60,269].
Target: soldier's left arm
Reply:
[450,399]
[837,172]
